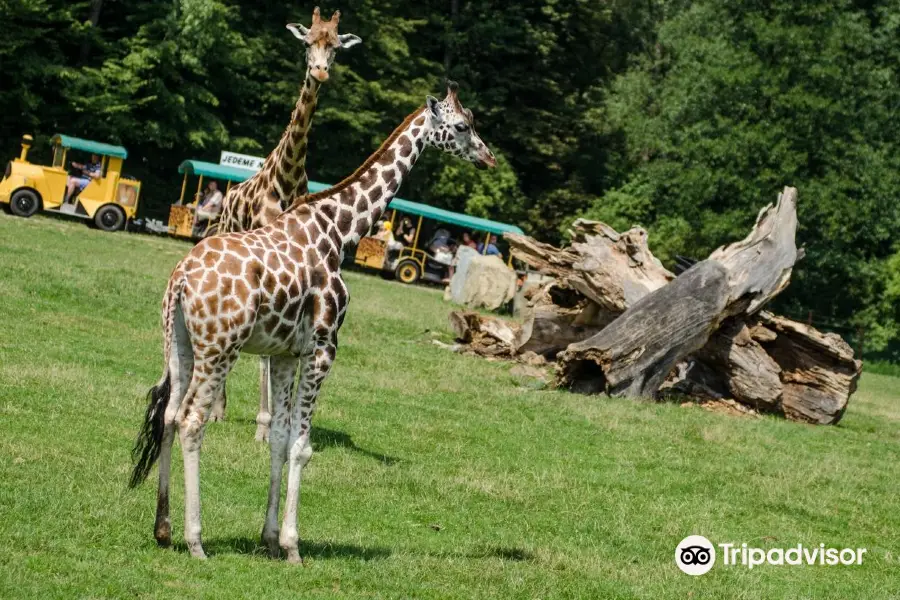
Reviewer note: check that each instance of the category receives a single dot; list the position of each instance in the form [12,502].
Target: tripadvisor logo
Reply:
[696,555]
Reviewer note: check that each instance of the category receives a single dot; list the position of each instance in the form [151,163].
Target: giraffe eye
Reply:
[462,127]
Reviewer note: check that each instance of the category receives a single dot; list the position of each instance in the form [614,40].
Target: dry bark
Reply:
[636,352]
[818,370]
[487,336]
[750,375]
[773,365]
[555,318]
[596,278]
[611,269]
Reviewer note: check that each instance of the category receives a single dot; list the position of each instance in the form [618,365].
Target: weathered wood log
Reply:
[818,370]
[747,363]
[774,365]
[485,335]
[555,318]
[611,269]
[750,375]
[606,272]
[636,352]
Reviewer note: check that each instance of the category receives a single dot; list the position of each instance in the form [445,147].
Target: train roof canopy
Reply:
[208,169]
[67,141]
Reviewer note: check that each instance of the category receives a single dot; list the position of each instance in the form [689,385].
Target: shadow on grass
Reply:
[308,549]
[513,554]
[330,438]
[330,550]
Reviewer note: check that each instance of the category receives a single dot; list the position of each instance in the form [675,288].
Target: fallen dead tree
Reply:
[487,336]
[618,322]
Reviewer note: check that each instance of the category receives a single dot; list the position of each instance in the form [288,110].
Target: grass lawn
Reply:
[435,475]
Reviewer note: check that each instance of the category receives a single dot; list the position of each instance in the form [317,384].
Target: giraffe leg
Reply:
[315,366]
[218,407]
[181,366]
[206,385]
[264,416]
[282,370]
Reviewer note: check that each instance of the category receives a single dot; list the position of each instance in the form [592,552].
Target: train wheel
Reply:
[24,203]
[408,271]
[110,218]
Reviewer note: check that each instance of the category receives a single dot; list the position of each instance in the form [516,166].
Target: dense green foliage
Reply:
[683,117]
[436,476]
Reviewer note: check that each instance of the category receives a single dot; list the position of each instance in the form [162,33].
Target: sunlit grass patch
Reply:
[435,475]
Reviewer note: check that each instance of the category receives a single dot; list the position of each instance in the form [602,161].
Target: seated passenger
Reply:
[491,248]
[440,242]
[468,241]
[386,235]
[90,171]
[209,208]
[406,232]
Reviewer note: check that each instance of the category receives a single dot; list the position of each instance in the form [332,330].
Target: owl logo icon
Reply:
[695,555]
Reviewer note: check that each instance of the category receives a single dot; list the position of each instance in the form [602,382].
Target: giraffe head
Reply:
[322,42]
[453,129]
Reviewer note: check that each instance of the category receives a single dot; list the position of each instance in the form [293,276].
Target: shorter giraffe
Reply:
[276,291]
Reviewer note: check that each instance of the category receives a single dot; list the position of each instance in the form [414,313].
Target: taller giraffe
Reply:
[259,200]
[275,291]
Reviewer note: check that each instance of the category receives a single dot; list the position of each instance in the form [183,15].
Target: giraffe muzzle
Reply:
[320,75]
[486,160]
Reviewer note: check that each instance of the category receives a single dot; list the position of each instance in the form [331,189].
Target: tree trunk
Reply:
[600,275]
[609,268]
[96,9]
[549,326]
[634,355]
[818,370]
[451,37]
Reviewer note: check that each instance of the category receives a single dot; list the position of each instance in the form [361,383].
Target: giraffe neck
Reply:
[357,203]
[286,164]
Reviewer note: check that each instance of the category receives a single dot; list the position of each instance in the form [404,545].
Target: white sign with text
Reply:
[241,161]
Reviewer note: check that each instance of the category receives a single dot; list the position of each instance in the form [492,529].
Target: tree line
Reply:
[683,117]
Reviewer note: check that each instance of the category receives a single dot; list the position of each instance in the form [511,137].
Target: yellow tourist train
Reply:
[409,263]
[108,200]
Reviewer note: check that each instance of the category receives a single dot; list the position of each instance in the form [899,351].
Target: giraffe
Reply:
[276,291]
[259,200]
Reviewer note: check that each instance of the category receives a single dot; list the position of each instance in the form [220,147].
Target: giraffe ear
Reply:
[348,40]
[432,103]
[298,30]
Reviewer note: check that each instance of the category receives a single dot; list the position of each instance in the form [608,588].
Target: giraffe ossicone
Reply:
[259,200]
[275,291]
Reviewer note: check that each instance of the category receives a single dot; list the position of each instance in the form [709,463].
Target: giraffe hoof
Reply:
[163,535]
[196,550]
[262,433]
[272,544]
[294,557]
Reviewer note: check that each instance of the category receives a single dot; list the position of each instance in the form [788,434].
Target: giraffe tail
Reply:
[149,441]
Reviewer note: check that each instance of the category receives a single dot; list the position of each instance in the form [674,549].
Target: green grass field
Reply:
[435,475]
